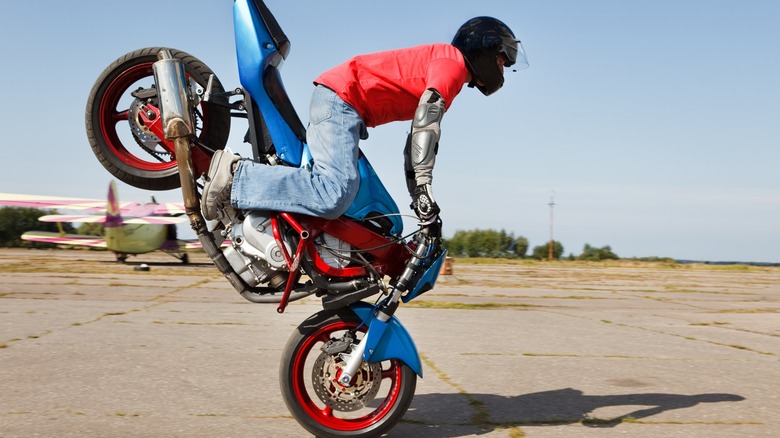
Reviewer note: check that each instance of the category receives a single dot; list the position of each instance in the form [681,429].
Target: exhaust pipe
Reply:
[178,127]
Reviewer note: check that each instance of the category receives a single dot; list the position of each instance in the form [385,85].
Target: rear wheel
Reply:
[119,139]
[375,400]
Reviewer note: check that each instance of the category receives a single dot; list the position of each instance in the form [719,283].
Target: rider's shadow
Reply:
[445,415]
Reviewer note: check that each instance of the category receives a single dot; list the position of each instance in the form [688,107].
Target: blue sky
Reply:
[654,124]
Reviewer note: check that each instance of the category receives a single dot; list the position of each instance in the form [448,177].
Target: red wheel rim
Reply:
[110,118]
[326,415]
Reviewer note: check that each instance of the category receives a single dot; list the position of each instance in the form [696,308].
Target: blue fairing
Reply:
[372,198]
[387,340]
[427,279]
[255,53]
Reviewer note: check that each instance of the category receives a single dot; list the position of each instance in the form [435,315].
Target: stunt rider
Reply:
[417,84]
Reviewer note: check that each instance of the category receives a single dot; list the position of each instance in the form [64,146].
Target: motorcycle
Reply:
[156,116]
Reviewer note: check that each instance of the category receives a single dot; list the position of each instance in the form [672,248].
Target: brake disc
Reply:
[360,392]
[142,135]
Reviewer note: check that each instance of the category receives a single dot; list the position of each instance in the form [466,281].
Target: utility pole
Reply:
[550,246]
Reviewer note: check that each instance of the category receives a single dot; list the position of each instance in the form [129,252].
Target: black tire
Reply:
[121,147]
[304,365]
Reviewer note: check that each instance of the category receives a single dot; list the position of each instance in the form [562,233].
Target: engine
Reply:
[257,258]
[255,254]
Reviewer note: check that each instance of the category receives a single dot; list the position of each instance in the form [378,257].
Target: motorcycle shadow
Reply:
[459,414]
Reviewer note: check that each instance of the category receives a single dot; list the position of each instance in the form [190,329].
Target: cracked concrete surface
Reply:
[93,348]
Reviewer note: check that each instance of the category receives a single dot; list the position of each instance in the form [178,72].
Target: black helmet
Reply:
[481,39]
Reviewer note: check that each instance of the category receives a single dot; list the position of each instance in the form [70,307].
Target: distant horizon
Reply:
[184,231]
[527,257]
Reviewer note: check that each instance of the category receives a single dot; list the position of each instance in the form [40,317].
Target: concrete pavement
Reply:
[94,348]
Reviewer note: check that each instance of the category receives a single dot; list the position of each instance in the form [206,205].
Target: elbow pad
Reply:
[426,131]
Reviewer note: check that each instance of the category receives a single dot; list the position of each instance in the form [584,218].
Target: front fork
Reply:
[386,338]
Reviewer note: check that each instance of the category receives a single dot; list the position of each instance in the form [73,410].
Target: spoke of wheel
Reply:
[120,116]
[389,373]
[327,411]
[323,337]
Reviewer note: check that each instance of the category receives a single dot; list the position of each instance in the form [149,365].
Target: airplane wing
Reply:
[156,220]
[35,201]
[15,200]
[186,244]
[65,239]
[168,208]
[190,244]
[148,220]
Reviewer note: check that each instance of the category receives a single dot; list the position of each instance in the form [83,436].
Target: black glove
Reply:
[433,229]
[424,205]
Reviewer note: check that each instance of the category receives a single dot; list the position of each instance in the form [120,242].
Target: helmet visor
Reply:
[515,55]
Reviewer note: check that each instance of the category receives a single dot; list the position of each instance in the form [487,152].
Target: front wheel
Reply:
[375,400]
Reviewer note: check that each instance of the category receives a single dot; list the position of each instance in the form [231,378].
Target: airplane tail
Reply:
[113,215]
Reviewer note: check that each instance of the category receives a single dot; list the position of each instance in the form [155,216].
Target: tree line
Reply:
[500,244]
[14,221]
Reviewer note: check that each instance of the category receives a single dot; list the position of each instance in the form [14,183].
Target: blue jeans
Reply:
[334,131]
